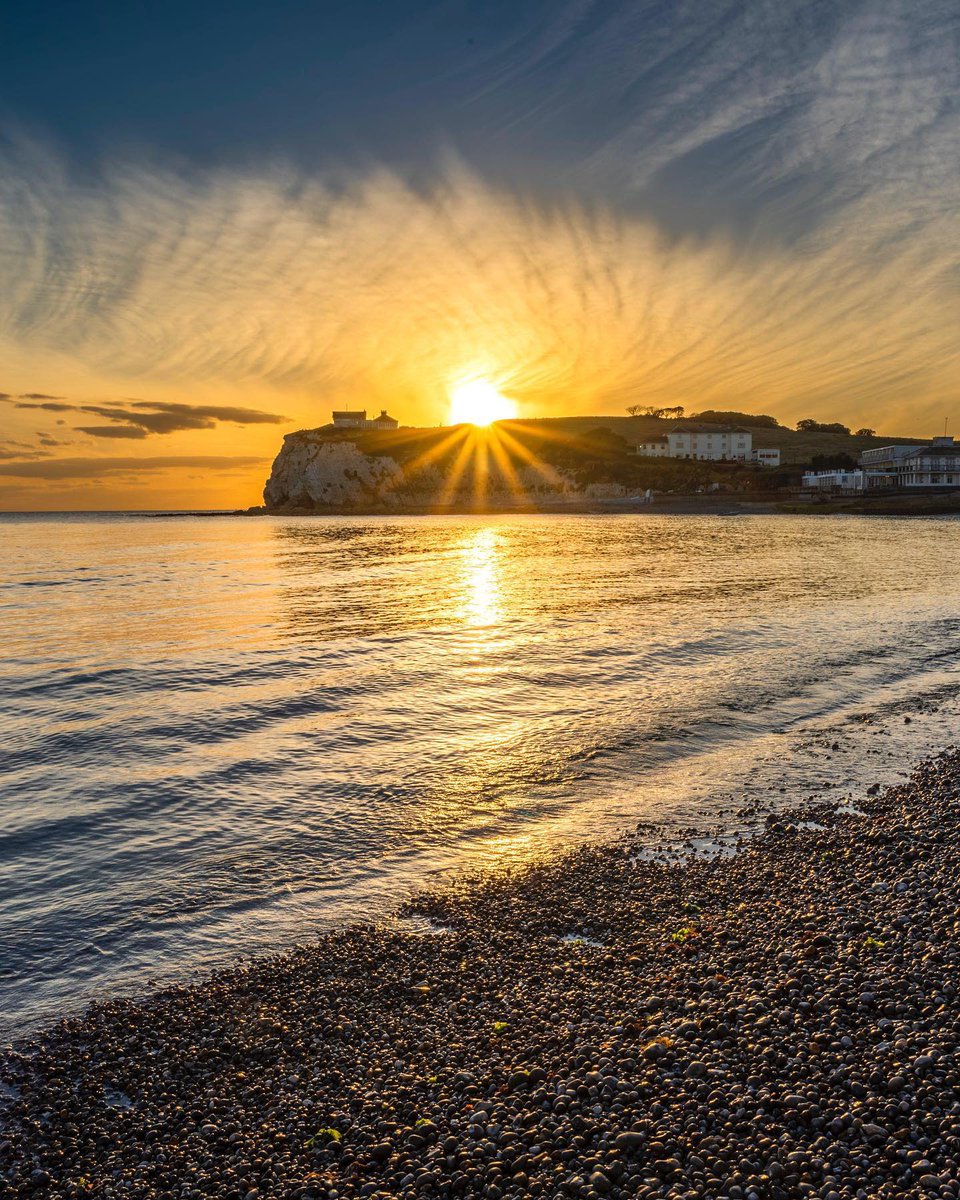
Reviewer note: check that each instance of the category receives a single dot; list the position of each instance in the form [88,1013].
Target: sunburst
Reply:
[479,402]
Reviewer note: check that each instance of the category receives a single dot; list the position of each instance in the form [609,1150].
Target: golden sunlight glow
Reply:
[478,402]
[481,560]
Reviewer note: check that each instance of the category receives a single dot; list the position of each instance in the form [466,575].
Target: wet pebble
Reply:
[777,1023]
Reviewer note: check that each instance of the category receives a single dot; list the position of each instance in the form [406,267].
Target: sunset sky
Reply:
[219,221]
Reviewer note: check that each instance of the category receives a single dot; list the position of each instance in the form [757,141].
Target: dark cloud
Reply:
[95,468]
[49,407]
[138,418]
[112,431]
[236,416]
[150,421]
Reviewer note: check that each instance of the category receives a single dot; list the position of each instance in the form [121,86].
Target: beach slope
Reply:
[779,1023]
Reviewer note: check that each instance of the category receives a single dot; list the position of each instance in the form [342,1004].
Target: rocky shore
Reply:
[780,1023]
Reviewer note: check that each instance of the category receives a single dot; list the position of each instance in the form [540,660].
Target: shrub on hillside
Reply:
[716,416]
[810,426]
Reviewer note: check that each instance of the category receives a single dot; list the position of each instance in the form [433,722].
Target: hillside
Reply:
[794,446]
[513,464]
[518,464]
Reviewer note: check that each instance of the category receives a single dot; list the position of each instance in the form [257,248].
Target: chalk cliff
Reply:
[317,472]
[312,474]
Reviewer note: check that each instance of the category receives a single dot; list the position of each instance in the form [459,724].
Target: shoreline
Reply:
[609,1022]
[728,506]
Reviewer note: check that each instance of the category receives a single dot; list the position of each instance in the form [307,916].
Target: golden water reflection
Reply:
[481,600]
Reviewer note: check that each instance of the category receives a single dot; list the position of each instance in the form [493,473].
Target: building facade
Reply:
[936,465]
[835,481]
[933,465]
[357,419]
[714,445]
[709,445]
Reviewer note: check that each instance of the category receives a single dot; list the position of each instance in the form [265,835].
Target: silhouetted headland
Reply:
[568,465]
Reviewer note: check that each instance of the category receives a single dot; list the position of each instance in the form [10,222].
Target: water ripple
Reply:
[221,735]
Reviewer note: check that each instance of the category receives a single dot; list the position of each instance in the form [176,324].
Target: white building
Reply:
[357,419]
[708,445]
[714,445]
[835,481]
[934,465]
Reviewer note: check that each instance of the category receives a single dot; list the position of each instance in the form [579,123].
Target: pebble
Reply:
[777,1023]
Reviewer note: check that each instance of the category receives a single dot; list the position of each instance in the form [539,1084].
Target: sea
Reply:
[223,735]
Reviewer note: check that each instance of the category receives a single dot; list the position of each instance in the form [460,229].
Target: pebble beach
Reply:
[619,1021]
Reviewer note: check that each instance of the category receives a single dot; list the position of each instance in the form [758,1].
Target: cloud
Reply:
[139,418]
[97,468]
[112,431]
[215,412]
[45,407]
[12,449]
[38,396]
[740,205]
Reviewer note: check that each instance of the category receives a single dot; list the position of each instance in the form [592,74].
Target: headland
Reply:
[583,465]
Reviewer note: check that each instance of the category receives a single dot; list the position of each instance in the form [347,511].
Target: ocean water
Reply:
[222,735]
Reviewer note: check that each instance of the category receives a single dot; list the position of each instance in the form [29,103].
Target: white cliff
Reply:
[316,473]
[313,474]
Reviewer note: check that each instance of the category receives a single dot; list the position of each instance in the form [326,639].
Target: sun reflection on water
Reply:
[481,603]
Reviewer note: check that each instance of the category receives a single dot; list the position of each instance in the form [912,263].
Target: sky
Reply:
[219,222]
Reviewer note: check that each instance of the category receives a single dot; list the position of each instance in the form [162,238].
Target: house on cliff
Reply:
[357,419]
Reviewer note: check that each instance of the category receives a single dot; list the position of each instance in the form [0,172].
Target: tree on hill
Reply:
[810,426]
[865,432]
[652,410]
[716,416]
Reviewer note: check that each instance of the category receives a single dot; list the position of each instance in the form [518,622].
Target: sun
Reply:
[479,403]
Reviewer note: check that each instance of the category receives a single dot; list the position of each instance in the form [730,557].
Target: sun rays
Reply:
[478,402]
[478,464]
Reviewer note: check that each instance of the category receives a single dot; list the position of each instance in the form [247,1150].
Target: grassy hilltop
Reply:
[794,446]
[593,450]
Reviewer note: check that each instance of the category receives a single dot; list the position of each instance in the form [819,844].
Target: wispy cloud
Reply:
[755,205]
[93,469]
[12,448]
[138,418]
[6,452]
